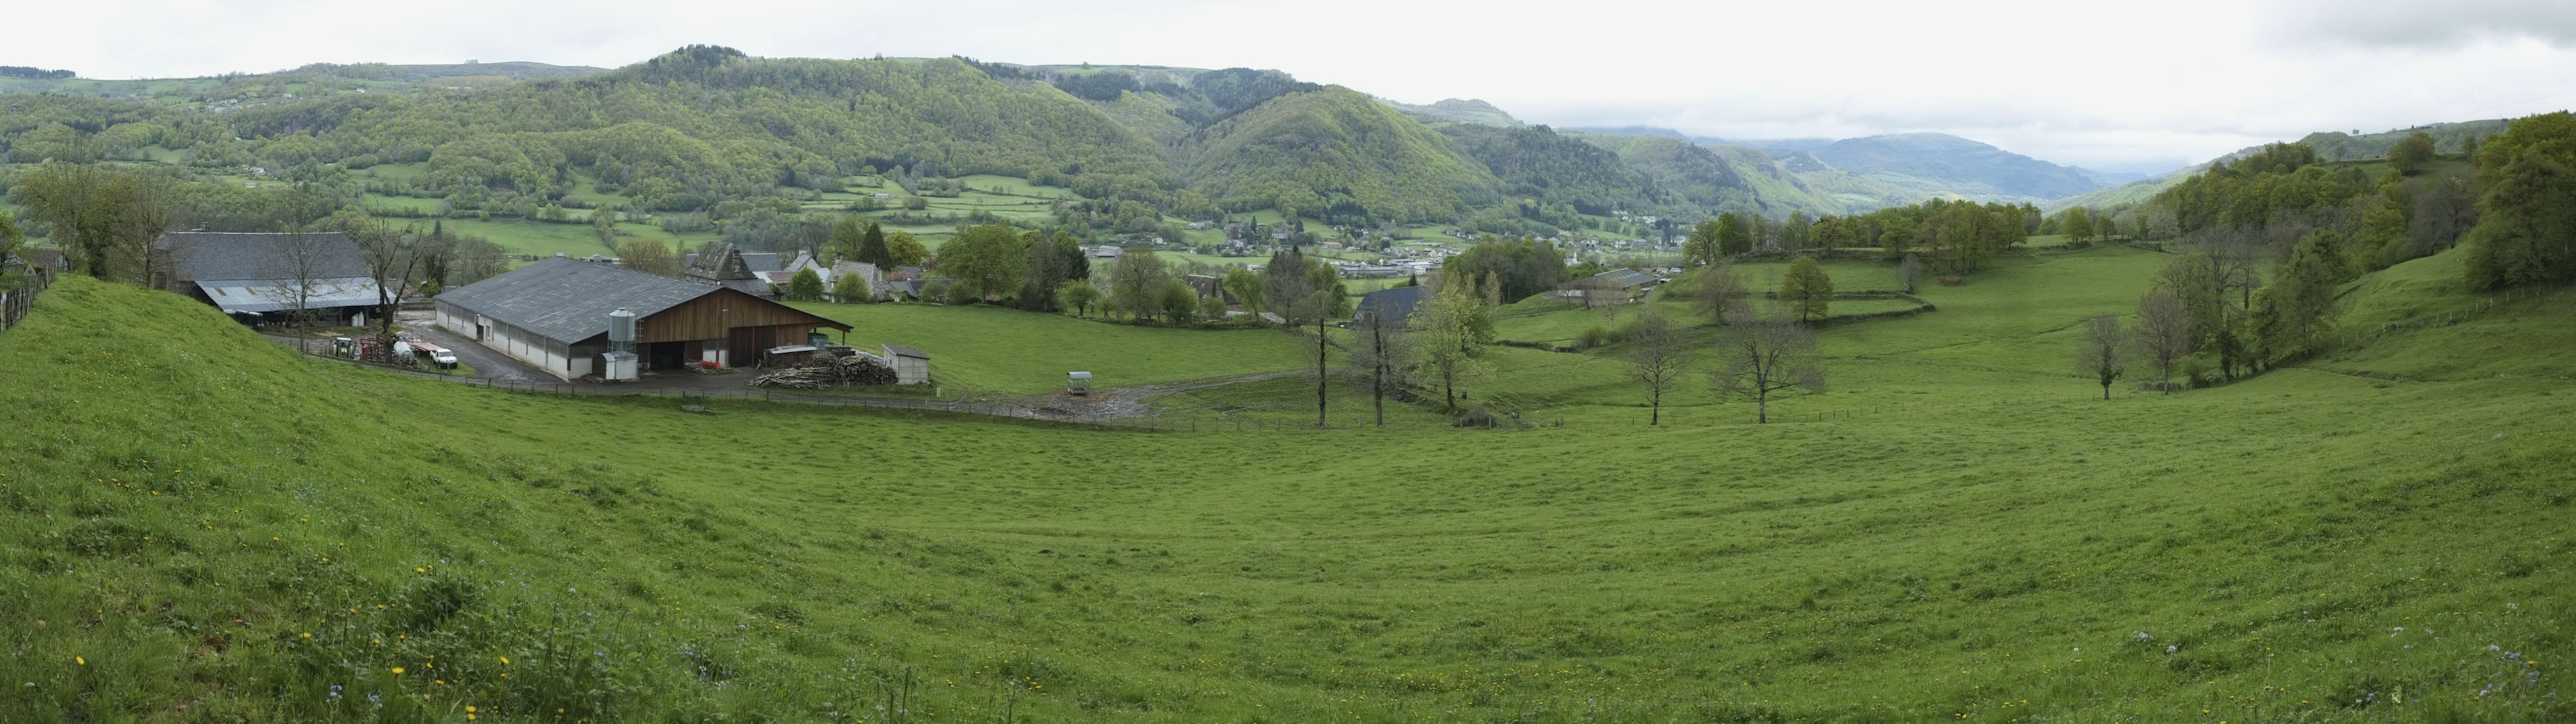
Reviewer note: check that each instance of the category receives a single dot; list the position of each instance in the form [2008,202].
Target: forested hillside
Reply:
[1338,155]
[1719,177]
[707,139]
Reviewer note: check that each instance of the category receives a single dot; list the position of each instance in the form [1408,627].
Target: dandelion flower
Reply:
[397,670]
[505,661]
[80,661]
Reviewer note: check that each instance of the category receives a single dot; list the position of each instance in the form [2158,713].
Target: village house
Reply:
[554,315]
[831,276]
[722,264]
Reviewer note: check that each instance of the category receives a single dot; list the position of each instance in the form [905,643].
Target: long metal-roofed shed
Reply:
[554,315]
[255,274]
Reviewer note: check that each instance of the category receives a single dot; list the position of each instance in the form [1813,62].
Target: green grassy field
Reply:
[197,525]
[574,240]
[987,349]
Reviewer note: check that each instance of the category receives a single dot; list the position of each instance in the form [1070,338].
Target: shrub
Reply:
[850,289]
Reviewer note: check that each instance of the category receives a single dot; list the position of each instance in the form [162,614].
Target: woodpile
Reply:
[825,371]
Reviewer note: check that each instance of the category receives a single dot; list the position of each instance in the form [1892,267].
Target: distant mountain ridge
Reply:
[1943,163]
[1917,165]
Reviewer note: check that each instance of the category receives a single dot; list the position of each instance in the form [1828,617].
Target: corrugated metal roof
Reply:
[903,351]
[568,301]
[269,295]
[1624,277]
[199,255]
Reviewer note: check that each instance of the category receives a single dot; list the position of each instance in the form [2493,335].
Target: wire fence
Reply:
[15,303]
[2351,337]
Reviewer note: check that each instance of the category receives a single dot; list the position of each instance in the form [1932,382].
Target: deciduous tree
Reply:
[1450,329]
[1766,355]
[1381,347]
[1722,296]
[1136,284]
[1806,289]
[2164,334]
[987,258]
[2105,354]
[2526,231]
[1660,353]
[2411,154]
[904,249]
[851,289]
[805,286]
[648,255]
[1077,295]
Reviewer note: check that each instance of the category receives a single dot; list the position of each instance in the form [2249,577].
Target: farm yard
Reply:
[1984,539]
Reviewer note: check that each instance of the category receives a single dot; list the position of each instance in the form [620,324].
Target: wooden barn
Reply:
[554,315]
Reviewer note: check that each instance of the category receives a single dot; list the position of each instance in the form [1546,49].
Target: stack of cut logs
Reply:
[825,371]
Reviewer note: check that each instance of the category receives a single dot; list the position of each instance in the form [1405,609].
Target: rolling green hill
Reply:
[195,524]
[691,130]
[1335,154]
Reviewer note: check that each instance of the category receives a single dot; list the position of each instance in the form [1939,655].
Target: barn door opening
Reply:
[667,355]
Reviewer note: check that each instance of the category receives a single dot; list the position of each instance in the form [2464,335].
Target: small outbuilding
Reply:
[911,366]
[1078,383]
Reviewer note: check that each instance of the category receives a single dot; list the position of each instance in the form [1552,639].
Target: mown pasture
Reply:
[196,518]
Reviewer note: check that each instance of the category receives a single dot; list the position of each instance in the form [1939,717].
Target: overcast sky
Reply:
[2127,86]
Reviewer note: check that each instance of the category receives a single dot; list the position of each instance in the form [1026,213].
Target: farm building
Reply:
[911,367]
[721,264]
[1396,303]
[1617,286]
[554,315]
[258,276]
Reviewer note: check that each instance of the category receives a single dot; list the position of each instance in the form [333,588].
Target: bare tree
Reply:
[1767,355]
[2164,334]
[299,254]
[1910,272]
[1660,355]
[2105,349]
[1722,295]
[1380,345]
[394,258]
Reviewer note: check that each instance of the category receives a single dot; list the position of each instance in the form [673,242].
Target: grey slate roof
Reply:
[568,301]
[1396,303]
[196,255]
[904,351]
[756,262]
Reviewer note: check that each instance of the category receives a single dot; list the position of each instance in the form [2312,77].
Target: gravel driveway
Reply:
[422,324]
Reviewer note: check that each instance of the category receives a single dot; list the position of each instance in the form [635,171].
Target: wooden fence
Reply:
[15,303]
